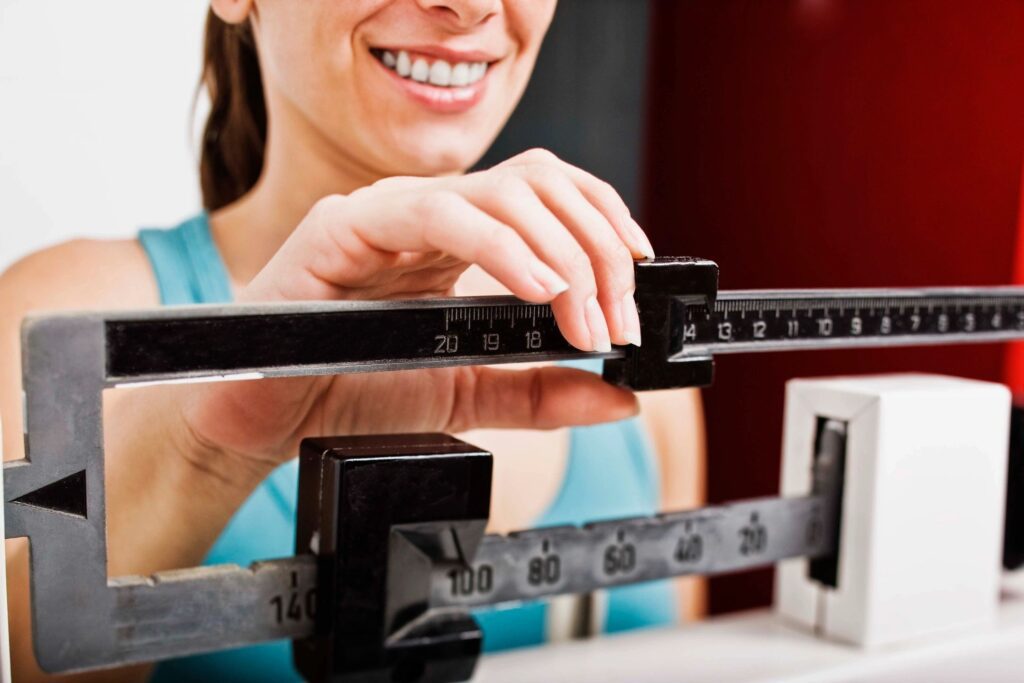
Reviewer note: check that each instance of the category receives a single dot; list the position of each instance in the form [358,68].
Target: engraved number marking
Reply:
[446,343]
[294,606]
[753,537]
[471,580]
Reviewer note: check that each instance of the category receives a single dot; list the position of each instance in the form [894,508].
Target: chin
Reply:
[438,160]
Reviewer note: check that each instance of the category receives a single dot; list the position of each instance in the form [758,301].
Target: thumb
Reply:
[538,398]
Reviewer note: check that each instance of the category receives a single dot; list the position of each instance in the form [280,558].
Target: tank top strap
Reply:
[187,265]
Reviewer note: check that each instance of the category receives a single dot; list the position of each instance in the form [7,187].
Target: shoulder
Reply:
[79,274]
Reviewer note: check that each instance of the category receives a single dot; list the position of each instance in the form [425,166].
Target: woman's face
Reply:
[399,87]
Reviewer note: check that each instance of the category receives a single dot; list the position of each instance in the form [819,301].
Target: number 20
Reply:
[446,343]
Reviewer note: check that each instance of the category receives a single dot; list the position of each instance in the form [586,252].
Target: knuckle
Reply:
[606,189]
[604,240]
[436,207]
[620,272]
[511,184]
[505,241]
[539,155]
[546,174]
[618,255]
[614,199]
[579,268]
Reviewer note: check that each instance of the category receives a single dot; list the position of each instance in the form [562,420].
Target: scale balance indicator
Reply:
[387,594]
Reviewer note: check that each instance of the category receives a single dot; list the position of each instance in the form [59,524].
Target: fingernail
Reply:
[599,337]
[630,320]
[646,248]
[548,279]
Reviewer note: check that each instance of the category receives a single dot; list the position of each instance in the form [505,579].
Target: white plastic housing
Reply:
[922,509]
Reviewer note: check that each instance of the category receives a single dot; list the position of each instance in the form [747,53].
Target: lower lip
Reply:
[441,100]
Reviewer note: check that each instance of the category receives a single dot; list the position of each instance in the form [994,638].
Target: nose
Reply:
[462,13]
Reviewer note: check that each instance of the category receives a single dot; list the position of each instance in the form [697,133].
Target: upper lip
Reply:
[447,54]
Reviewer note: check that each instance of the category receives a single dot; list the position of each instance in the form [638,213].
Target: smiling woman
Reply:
[334,167]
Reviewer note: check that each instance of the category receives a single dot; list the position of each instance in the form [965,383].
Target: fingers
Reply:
[577,239]
[546,230]
[610,258]
[538,398]
[444,221]
[512,200]
[599,193]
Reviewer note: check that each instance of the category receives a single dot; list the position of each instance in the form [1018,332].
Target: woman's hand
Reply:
[546,230]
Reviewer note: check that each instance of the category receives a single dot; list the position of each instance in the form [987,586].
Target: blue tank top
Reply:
[611,473]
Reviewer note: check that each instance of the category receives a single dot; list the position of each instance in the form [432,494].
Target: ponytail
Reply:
[236,130]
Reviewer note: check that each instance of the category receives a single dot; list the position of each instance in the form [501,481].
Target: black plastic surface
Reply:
[64,495]
[828,477]
[665,286]
[1013,534]
[241,342]
[352,492]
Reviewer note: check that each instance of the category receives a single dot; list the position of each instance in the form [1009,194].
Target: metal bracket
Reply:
[55,496]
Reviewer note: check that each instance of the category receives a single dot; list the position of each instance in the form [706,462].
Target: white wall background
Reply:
[95,118]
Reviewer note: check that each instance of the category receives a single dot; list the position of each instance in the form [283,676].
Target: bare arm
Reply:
[675,421]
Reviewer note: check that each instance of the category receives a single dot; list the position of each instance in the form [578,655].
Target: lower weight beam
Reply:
[542,562]
[396,523]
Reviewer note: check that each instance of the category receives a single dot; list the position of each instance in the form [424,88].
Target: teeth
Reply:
[441,73]
[460,75]
[420,70]
[403,66]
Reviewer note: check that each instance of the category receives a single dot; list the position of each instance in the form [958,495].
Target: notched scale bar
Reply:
[332,338]
[772,321]
[200,609]
[366,336]
[503,330]
[568,559]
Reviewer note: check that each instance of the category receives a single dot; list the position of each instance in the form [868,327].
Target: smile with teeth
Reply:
[438,72]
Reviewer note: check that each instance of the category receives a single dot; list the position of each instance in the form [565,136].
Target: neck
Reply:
[296,174]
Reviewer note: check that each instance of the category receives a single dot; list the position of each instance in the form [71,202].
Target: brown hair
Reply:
[236,129]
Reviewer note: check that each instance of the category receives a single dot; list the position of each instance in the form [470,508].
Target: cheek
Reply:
[529,20]
[527,23]
[307,47]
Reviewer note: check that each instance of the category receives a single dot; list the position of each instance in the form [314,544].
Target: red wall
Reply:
[814,143]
